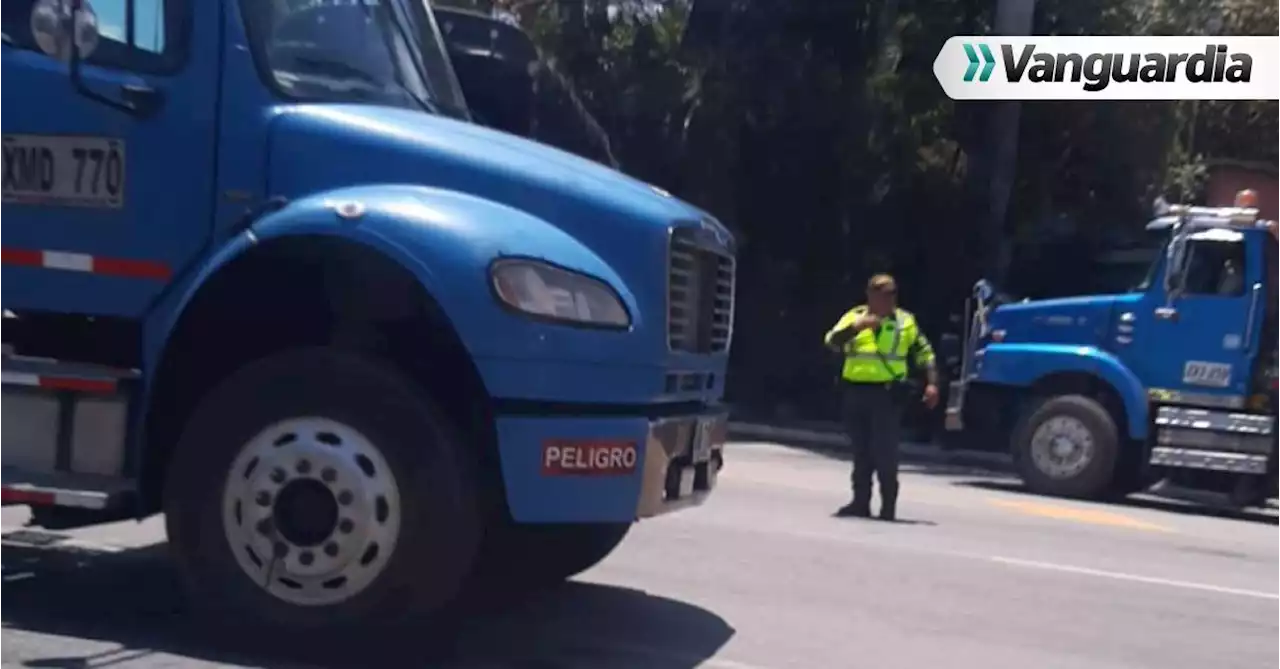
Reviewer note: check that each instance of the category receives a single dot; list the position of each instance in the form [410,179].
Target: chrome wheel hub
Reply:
[1062,447]
[311,511]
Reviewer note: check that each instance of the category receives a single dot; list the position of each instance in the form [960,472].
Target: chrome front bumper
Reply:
[682,458]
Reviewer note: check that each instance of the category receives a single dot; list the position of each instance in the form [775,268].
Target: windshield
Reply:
[374,51]
[1122,277]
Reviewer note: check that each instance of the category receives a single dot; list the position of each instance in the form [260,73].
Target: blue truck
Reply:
[1103,395]
[262,274]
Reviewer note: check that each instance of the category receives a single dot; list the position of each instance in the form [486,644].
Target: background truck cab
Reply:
[262,273]
[1103,394]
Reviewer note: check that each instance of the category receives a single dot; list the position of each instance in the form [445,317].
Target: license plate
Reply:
[703,433]
[64,171]
[1211,374]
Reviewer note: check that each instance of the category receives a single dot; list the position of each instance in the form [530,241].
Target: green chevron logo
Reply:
[988,62]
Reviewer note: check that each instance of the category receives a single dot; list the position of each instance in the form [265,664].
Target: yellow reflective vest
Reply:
[879,355]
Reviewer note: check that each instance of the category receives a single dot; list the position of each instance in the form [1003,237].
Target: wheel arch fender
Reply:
[1031,365]
[432,233]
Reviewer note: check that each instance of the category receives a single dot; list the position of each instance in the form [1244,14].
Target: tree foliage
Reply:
[816,130]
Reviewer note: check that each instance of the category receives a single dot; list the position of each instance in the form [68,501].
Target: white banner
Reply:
[1109,68]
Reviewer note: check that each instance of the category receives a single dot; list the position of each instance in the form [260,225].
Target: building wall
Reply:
[1227,180]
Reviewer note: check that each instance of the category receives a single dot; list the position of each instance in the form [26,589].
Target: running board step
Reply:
[82,491]
[1224,441]
[57,375]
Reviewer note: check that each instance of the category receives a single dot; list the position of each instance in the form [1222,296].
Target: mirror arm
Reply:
[83,89]
[77,81]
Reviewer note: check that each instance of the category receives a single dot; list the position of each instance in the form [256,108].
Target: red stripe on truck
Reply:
[18,496]
[76,383]
[83,262]
[79,385]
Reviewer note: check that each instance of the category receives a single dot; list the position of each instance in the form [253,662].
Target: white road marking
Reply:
[1151,580]
[886,538]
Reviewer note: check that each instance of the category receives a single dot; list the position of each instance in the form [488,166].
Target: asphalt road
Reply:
[761,577]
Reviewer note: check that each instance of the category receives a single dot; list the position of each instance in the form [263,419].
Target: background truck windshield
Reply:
[375,51]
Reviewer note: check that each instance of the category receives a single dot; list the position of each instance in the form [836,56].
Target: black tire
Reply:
[1094,480]
[517,558]
[1131,473]
[439,521]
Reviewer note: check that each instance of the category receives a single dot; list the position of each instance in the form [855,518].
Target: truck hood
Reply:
[1070,320]
[315,147]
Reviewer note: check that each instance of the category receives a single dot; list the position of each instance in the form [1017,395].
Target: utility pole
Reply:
[1013,17]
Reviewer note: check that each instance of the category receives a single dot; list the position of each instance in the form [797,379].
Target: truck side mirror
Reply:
[68,31]
[508,88]
[492,60]
[54,22]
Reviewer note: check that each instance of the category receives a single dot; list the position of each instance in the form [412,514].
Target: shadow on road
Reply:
[1147,501]
[130,599]
[897,521]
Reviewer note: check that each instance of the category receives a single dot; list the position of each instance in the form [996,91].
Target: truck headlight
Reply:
[543,290]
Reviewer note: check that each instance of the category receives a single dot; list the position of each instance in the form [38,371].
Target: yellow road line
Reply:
[1091,516]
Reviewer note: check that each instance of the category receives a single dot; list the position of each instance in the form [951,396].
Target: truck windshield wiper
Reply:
[337,68]
[347,70]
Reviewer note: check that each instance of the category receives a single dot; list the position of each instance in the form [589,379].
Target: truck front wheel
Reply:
[320,487]
[1067,446]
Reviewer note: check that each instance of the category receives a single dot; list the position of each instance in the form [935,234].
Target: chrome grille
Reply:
[700,294]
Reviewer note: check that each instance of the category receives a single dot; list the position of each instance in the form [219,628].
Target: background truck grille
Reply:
[700,292]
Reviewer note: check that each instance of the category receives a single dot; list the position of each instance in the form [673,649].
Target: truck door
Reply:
[104,204]
[1198,340]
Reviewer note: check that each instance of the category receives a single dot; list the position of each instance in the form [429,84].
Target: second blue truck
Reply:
[1102,395]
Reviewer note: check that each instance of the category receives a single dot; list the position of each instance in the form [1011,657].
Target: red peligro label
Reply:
[589,458]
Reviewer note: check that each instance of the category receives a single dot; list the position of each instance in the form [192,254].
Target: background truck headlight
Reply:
[546,291]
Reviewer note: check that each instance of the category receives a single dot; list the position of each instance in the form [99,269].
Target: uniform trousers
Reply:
[872,418]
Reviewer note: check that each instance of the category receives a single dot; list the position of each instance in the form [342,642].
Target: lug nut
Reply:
[331,549]
[345,498]
[304,466]
[329,474]
[306,558]
[281,549]
[345,526]
[263,498]
[278,475]
[265,526]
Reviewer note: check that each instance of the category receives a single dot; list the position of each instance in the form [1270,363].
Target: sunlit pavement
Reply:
[978,575]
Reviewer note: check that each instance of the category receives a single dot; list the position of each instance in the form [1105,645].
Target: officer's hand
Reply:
[931,396]
[866,321]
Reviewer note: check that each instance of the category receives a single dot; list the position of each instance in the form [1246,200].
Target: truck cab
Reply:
[1103,394]
[264,275]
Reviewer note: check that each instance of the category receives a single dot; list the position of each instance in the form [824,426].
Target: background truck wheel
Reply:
[527,557]
[1067,446]
[318,487]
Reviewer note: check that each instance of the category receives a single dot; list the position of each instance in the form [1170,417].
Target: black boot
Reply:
[889,508]
[854,510]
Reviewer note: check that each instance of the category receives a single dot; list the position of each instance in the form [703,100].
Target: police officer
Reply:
[877,340]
